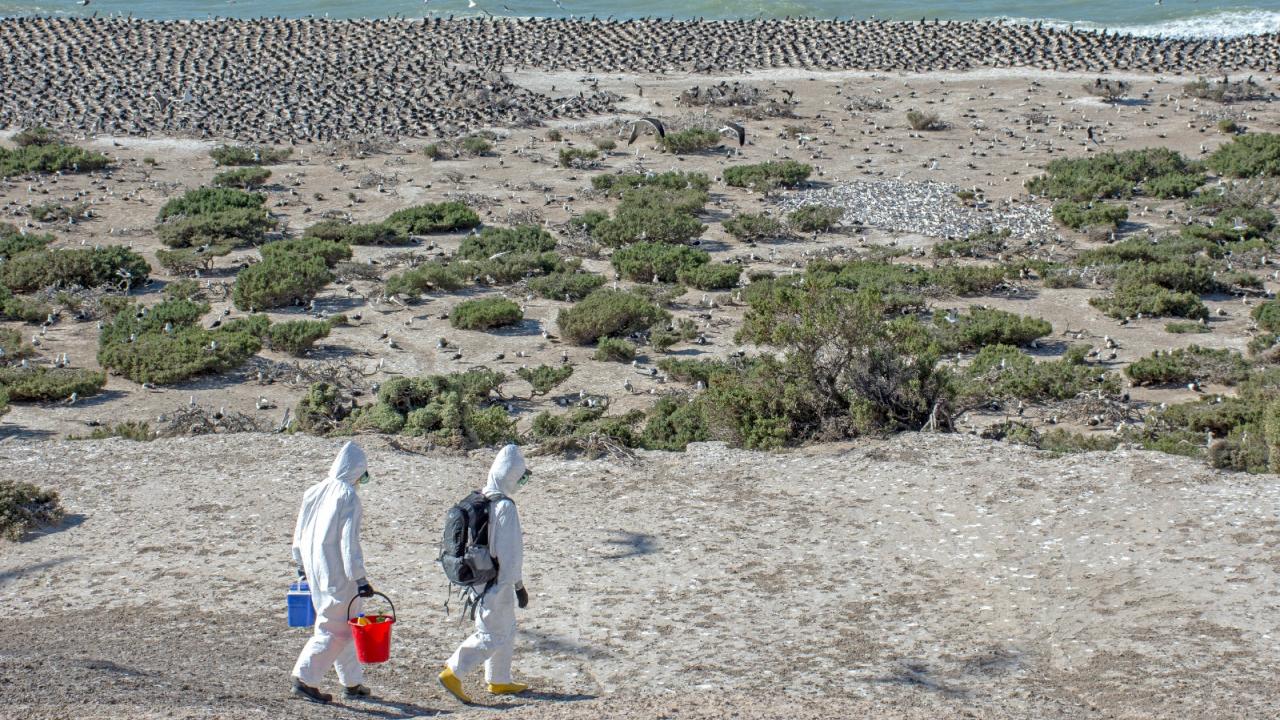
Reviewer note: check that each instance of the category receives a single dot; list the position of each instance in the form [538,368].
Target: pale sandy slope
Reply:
[925,576]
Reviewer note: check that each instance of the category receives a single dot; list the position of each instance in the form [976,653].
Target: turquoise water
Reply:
[1180,18]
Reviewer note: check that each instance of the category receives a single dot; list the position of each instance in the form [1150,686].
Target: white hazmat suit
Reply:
[326,543]
[495,635]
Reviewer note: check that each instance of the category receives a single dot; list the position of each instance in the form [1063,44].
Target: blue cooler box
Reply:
[301,612]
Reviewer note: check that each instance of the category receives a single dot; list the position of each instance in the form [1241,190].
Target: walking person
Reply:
[326,549]
[494,639]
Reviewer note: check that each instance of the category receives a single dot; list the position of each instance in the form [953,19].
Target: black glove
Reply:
[302,573]
[364,590]
[522,597]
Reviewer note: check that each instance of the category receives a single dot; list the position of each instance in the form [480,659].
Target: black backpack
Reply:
[464,551]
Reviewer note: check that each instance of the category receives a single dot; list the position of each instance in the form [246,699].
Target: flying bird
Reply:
[651,122]
[737,129]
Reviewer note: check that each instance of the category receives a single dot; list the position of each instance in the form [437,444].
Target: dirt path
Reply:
[929,575]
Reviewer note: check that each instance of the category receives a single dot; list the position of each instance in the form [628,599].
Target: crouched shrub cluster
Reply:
[45,384]
[1081,215]
[987,326]
[485,313]
[166,343]
[1185,365]
[655,214]
[616,185]
[357,233]
[291,271]
[40,268]
[566,286]
[1006,373]
[39,151]
[767,175]
[25,507]
[608,313]
[459,409]
[434,218]
[215,220]
[1252,155]
[1159,171]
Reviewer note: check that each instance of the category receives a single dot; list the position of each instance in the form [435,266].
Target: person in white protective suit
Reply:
[326,548]
[495,635]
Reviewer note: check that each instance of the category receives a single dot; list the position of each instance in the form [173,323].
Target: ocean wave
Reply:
[1230,24]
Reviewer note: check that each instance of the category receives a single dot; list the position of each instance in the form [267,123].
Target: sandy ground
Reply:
[1004,126]
[923,577]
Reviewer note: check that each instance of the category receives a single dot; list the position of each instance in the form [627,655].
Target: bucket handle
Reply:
[384,597]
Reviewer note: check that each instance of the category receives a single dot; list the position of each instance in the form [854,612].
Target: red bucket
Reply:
[373,640]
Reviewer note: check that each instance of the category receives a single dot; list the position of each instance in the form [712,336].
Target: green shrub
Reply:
[1181,328]
[1181,366]
[485,313]
[1267,315]
[20,309]
[692,371]
[1225,90]
[604,144]
[663,335]
[691,140]
[248,155]
[35,136]
[607,313]
[1150,301]
[39,383]
[578,157]
[753,227]
[57,212]
[207,201]
[246,178]
[433,151]
[216,233]
[673,423]
[923,121]
[988,326]
[112,265]
[491,241]
[135,430]
[984,244]
[141,349]
[280,280]
[296,337]
[330,252]
[644,261]
[630,225]
[434,218]
[379,418]
[13,242]
[4,401]
[25,507]
[1252,155]
[587,221]
[1173,185]
[1109,90]
[767,175]
[545,378]
[613,350]
[616,185]
[1113,175]
[1077,215]
[456,409]
[49,158]
[433,276]
[321,409]
[815,218]
[475,145]
[12,346]
[1005,373]
[513,267]
[566,286]
[711,276]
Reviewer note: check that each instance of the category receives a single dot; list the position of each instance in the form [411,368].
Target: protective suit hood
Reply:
[506,471]
[350,464]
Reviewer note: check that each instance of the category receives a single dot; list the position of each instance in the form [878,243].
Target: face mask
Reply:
[524,479]
[363,479]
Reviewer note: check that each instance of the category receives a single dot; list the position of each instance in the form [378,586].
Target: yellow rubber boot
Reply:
[453,684]
[510,688]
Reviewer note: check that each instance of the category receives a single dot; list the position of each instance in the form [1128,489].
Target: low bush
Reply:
[434,218]
[13,242]
[691,140]
[815,218]
[459,410]
[767,175]
[979,245]
[37,383]
[207,201]
[578,157]
[216,233]
[432,276]
[637,224]
[605,144]
[485,313]
[1114,175]
[754,227]
[520,239]
[1267,315]
[279,281]
[545,378]
[296,337]
[988,326]
[711,276]
[616,185]
[21,309]
[1247,156]
[587,221]
[166,343]
[614,350]
[1225,90]
[1150,301]
[1081,215]
[1182,328]
[49,158]
[566,286]
[607,313]
[1184,365]
[917,120]
[245,178]
[1006,373]
[108,266]
[663,335]
[25,507]
[331,252]
[1109,90]
[321,410]
[36,135]
[58,212]
[475,145]
[656,261]
[12,347]
[137,431]
[693,371]
[673,423]
[248,155]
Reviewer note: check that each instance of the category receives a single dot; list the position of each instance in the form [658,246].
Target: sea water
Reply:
[1172,18]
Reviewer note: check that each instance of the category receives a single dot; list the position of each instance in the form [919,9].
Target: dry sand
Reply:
[923,577]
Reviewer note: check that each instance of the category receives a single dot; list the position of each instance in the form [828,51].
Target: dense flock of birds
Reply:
[927,208]
[319,80]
